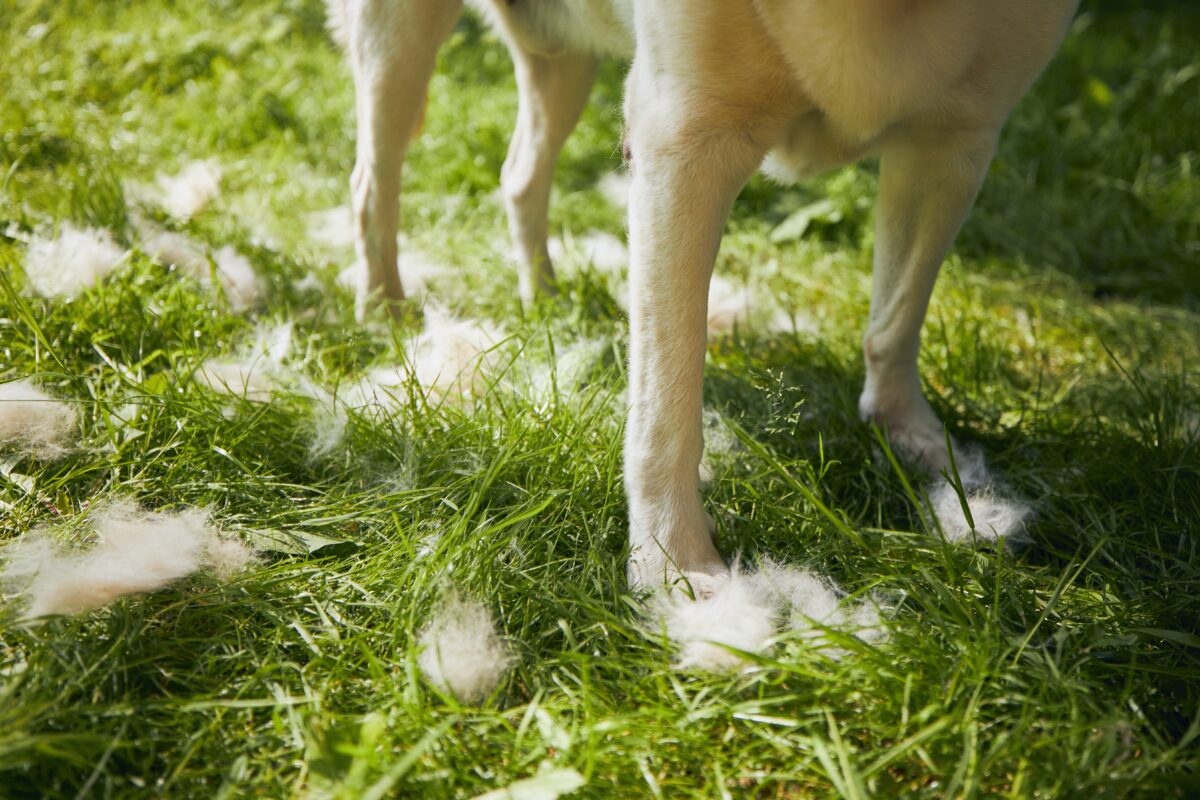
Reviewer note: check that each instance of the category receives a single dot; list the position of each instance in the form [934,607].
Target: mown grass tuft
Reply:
[1062,340]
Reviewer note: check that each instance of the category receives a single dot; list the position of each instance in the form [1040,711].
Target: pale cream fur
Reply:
[716,90]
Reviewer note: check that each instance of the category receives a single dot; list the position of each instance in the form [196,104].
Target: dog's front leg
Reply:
[393,47]
[689,157]
[928,182]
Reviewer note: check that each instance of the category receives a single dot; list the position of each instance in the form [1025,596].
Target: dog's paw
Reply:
[652,570]
[914,432]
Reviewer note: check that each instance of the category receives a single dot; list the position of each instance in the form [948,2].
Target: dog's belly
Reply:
[811,147]
[869,63]
[601,27]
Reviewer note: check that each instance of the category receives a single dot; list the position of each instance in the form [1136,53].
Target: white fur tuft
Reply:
[451,355]
[572,366]
[241,283]
[450,358]
[602,250]
[809,600]
[416,270]
[331,228]
[227,557]
[33,422]
[75,260]
[785,321]
[461,652]
[746,611]
[728,306]
[135,551]
[184,194]
[175,248]
[733,306]
[256,375]
[614,186]
[735,615]
[995,517]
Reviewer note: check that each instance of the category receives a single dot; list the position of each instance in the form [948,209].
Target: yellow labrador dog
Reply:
[718,89]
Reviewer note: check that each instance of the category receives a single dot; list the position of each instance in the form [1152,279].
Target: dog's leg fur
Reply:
[928,182]
[393,47]
[553,91]
[692,148]
[677,208]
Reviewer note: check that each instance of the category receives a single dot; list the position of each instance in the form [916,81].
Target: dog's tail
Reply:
[337,19]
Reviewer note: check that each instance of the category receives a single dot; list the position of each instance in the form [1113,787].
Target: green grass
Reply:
[1063,338]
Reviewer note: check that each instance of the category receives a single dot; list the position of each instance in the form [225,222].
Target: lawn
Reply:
[1063,340]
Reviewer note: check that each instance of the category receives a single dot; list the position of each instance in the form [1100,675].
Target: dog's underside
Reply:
[716,90]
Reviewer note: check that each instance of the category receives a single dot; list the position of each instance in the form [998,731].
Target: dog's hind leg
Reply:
[928,182]
[552,93]
[393,47]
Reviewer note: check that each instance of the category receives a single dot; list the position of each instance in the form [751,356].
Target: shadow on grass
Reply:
[1115,486]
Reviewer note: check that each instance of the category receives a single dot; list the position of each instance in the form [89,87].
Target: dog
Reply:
[716,90]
